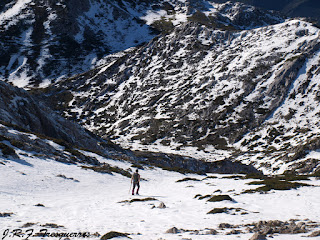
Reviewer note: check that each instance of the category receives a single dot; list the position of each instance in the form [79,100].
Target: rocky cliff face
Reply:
[204,92]
[30,127]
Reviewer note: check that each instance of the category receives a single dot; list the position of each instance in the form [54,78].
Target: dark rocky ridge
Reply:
[183,164]
[18,108]
[28,124]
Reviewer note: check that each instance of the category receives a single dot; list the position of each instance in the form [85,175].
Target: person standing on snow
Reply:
[135,180]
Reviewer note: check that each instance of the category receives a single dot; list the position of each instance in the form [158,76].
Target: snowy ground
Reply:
[91,202]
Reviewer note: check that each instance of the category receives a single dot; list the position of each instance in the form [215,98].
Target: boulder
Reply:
[258,236]
[162,205]
[173,230]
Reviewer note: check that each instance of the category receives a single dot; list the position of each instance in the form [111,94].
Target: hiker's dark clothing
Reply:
[136,182]
[136,177]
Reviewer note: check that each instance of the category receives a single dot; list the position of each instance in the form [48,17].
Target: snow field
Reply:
[93,202]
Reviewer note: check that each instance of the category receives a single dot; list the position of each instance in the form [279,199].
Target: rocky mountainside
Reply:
[222,81]
[44,41]
[292,8]
[29,129]
[208,93]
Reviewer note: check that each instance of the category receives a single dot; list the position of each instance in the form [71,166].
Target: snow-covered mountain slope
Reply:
[43,41]
[204,92]
[61,198]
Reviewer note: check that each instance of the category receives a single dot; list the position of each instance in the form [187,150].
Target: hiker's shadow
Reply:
[21,161]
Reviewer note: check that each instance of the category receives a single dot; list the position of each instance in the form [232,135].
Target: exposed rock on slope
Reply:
[183,164]
[28,127]
[199,88]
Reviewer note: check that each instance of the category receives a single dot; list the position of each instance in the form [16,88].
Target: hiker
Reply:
[135,179]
